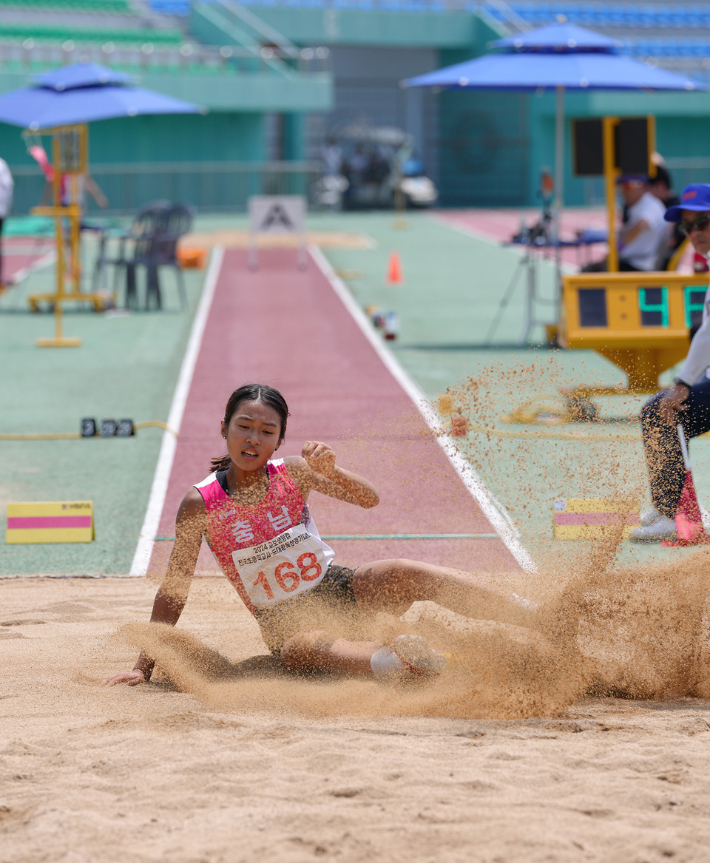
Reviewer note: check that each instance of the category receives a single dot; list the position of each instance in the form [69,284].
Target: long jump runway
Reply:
[291,329]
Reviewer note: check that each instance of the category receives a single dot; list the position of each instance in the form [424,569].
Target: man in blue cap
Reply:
[644,234]
[687,402]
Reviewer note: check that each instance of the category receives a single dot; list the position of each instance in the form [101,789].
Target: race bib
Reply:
[291,563]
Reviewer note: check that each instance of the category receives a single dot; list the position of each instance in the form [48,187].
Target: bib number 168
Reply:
[288,577]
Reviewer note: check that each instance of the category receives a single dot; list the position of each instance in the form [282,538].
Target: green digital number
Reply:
[653,303]
[694,298]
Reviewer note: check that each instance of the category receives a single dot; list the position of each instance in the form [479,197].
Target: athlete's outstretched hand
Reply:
[319,456]
[132,678]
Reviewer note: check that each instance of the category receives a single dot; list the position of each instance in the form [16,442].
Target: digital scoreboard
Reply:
[639,321]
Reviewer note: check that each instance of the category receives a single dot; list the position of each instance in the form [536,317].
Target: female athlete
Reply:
[253,513]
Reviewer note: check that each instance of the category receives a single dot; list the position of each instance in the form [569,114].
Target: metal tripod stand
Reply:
[537,240]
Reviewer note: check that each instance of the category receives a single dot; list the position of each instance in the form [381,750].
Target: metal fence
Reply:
[688,170]
[211,187]
[31,56]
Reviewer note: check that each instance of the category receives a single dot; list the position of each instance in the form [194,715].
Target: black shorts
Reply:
[330,605]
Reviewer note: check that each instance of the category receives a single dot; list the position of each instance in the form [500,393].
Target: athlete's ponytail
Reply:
[252,393]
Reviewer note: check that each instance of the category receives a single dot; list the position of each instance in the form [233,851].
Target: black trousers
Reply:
[664,458]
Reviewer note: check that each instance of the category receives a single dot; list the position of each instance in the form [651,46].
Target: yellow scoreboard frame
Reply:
[639,321]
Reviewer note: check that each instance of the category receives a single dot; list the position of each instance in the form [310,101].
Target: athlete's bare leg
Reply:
[393,585]
[319,650]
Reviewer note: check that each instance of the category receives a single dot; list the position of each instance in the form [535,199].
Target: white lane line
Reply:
[39,263]
[493,510]
[144,549]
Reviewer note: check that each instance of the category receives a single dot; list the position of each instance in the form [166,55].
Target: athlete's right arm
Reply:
[190,527]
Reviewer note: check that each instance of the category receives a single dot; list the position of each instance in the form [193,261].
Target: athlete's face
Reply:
[253,435]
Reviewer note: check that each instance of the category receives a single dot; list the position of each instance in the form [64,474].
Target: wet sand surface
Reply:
[151,773]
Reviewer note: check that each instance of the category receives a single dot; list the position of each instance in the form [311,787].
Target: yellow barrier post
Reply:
[611,172]
[70,162]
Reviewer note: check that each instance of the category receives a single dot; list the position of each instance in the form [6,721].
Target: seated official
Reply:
[687,402]
[643,234]
[661,186]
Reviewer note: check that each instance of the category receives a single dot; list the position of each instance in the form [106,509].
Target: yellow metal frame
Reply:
[612,173]
[643,352]
[66,215]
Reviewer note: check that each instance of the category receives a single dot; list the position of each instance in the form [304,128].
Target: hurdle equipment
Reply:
[459,426]
[593,518]
[445,405]
[390,326]
[50,522]
[688,517]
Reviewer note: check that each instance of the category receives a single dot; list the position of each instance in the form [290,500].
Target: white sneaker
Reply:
[649,517]
[659,530]
[418,656]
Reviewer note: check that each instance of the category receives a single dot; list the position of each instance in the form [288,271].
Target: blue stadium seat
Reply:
[171,7]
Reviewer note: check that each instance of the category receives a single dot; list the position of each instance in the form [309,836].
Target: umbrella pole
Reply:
[559,186]
[610,174]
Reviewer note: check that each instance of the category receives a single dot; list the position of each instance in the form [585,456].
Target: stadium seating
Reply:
[41,33]
[636,16]
[112,7]
[171,7]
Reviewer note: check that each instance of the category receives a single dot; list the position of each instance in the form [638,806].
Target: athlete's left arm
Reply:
[316,470]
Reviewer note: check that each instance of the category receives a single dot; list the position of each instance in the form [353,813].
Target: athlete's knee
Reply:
[401,566]
[305,650]
[649,411]
[405,582]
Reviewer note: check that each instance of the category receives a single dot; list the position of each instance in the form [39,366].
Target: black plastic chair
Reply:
[132,246]
[163,252]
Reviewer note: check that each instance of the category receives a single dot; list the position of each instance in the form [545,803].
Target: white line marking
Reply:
[492,509]
[39,263]
[144,549]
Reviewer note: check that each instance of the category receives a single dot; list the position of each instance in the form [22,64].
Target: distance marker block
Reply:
[56,521]
[592,518]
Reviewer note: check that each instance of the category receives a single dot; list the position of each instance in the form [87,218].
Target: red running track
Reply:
[289,329]
[501,225]
[22,255]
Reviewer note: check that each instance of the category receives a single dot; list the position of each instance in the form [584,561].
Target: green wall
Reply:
[179,138]
[175,138]
[332,26]
[187,138]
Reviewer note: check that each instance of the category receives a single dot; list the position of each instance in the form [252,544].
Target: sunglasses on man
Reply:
[698,224]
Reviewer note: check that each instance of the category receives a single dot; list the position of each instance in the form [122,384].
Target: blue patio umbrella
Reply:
[74,96]
[571,70]
[83,93]
[560,57]
[562,36]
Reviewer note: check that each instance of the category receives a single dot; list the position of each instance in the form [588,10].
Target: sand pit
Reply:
[234,238]
[245,769]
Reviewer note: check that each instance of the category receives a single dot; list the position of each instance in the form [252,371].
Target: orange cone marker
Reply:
[394,270]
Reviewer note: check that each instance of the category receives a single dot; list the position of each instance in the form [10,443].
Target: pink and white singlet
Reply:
[271,551]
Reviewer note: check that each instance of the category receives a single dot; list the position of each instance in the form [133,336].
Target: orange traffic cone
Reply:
[394,270]
[688,518]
